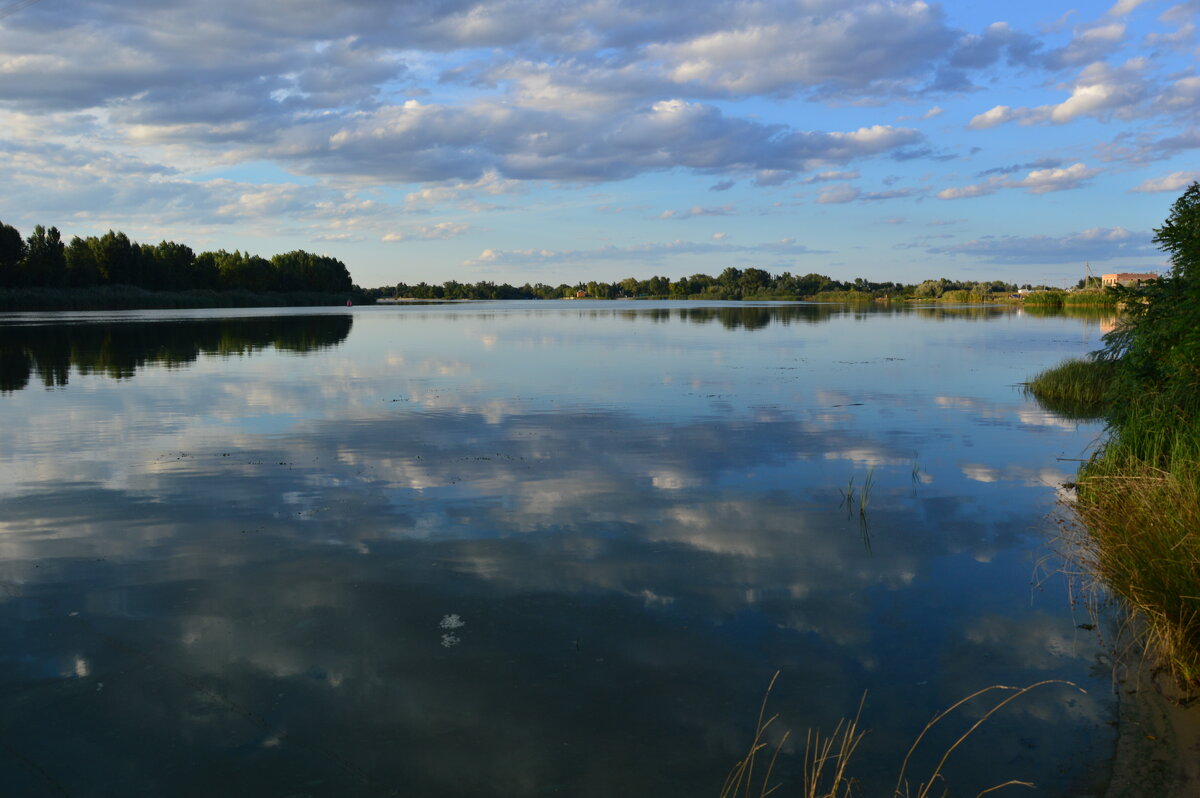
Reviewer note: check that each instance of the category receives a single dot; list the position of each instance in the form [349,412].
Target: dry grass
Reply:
[827,758]
[1142,541]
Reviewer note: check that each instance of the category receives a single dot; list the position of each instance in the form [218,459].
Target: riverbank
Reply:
[127,297]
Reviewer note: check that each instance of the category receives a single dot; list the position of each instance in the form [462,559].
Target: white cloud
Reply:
[990,118]
[974,190]
[1123,7]
[1042,181]
[428,232]
[696,210]
[1095,244]
[647,251]
[1100,91]
[1176,181]
[1038,181]
[829,176]
[836,195]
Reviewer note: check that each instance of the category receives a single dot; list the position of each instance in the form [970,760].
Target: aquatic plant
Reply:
[865,493]
[827,758]
[1076,388]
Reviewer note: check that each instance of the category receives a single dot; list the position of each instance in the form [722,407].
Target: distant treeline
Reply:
[120,349]
[43,261]
[732,283]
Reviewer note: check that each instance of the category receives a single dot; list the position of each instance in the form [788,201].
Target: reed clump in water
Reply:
[1092,298]
[1076,388]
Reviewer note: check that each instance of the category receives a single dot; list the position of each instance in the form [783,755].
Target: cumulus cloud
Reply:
[434,142]
[1123,7]
[997,115]
[974,190]
[1038,181]
[428,232]
[1095,244]
[1176,181]
[1042,181]
[821,177]
[646,251]
[836,195]
[696,210]
[1100,91]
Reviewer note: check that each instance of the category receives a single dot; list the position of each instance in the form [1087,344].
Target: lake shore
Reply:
[1158,744]
[127,297]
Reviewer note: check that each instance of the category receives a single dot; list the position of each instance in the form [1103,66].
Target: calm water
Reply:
[521,549]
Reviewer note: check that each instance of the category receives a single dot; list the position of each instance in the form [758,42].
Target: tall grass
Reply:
[1092,298]
[1076,388]
[1139,500]
[827,758]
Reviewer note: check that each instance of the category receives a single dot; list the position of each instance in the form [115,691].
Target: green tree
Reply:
[45,259]
[1157,346]
[82,271]
[12,253]
[1180,234]
[117,259]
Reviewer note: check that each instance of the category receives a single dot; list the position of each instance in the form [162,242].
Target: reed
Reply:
[827,758]
[1076,388]
[864,497]
[1045,299]
[1092,298]
[1139,499]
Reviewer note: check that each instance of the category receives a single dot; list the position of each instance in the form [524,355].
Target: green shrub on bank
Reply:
[1139,496]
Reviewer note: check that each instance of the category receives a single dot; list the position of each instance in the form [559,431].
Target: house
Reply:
[1126,279]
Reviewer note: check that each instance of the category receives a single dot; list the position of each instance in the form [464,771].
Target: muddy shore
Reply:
[1158,746]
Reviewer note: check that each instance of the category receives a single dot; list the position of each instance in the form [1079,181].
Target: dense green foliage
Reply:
[1139,497]
[1157,346]
[43,261]
[732,283]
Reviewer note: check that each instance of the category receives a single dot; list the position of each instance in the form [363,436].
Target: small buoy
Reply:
[349,303]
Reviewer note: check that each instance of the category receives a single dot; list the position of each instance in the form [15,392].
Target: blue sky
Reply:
[524,140]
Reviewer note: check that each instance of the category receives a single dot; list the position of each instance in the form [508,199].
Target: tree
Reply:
[1180,234]
[82,271]
[1156,349]
[45,259]
[168,266]
[117,259]
[12,252]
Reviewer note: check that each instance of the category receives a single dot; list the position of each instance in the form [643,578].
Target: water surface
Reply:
[517,549]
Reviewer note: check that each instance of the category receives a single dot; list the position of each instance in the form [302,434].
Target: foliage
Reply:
[43,262]
[1139,497]
[731,284]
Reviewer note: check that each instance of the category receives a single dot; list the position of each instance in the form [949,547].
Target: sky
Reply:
[560,141]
